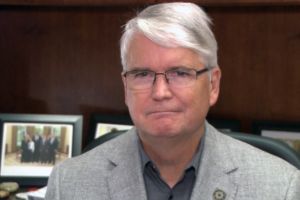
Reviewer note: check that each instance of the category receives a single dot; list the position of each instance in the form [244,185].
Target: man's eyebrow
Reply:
[139,69]
[180,67]
[167,69]
[177,67]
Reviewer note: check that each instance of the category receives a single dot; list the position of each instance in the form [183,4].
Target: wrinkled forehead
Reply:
[146,54]
[140,43]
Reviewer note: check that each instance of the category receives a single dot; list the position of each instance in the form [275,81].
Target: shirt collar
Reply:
[195,162]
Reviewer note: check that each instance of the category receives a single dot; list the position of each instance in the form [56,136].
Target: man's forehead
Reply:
[142,52]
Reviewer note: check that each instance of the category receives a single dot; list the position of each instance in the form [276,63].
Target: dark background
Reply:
[62,57]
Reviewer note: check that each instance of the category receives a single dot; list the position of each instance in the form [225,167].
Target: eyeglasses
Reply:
[178,77]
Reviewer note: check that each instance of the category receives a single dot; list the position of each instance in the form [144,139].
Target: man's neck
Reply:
[171,156]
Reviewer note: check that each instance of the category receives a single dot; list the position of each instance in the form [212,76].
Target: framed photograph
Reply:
[101,124]
[288,132]
[225,125]
[32,144]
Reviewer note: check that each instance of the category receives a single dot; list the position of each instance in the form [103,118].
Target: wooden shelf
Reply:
[141,2]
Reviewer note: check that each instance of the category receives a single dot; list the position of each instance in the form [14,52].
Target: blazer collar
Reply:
[216,169]
[125,180]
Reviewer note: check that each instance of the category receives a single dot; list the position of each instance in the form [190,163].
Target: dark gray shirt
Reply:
[158,189]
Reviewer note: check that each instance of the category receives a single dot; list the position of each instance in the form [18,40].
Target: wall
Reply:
[65,60]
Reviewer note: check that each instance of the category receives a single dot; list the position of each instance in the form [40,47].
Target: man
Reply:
[53,147]
[26,155]
[37,139]
[171,78]
[45,145]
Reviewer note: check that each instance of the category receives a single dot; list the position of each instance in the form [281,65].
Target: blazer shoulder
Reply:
[102,157]
[249,159]
[249,168]
[248,155]
[91,171]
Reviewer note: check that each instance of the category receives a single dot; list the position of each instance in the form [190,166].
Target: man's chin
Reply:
[161,127]
[161,132]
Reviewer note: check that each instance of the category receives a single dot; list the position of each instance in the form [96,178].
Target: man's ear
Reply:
[124,87]
[214,85]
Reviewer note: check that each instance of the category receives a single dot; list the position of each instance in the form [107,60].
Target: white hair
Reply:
[173,25]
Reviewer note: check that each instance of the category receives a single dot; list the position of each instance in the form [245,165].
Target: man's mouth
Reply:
[162,113]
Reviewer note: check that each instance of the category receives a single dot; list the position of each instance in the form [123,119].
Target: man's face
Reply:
[163,110]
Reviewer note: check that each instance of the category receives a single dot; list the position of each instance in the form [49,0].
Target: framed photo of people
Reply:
[101,124]
[288,132]
[32,144]
[225,125]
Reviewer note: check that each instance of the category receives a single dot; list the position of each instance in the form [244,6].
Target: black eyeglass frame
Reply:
[198,72]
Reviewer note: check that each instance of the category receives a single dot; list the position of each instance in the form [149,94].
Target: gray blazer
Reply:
[229,169]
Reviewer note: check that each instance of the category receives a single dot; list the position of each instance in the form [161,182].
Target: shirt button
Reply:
[170,197]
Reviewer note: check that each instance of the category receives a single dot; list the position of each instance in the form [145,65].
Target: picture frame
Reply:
[101,124]
[31,144]
[288,132]
[225,125]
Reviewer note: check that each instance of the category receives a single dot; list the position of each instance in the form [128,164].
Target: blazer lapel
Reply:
[214,185]
[215,180]
[125,180]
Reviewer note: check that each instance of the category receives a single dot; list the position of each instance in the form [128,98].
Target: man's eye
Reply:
[142,74]
[181,73]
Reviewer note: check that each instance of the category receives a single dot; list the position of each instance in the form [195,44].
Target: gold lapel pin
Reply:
[219,194]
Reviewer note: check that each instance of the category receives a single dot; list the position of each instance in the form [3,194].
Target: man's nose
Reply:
[161,88]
